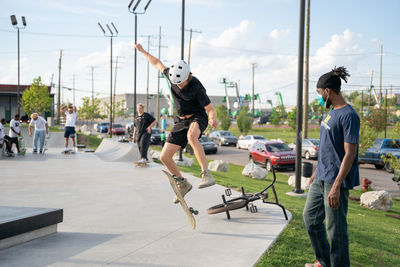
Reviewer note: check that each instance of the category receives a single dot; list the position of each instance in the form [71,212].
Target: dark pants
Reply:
[14,140]
[317,210]
[143,143]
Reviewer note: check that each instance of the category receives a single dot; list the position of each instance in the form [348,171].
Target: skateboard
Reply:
[141,164]
[21,143]
[68,151]
[189,211]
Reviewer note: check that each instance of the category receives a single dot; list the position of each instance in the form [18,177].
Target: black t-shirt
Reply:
[142,122]
[190,100]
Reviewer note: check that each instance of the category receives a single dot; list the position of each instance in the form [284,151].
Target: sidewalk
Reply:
[119,215]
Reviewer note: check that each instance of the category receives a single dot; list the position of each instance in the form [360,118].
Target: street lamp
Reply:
[15,24]
[111,35]
[133,11]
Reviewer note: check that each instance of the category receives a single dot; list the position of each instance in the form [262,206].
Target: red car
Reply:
[117,129]
[273,153]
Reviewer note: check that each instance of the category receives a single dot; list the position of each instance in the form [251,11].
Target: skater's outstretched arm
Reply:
[212,115]
[153,60]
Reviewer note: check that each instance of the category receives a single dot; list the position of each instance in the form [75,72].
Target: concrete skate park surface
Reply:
[119,215]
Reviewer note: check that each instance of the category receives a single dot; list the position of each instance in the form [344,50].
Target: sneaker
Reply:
[184,187]
[34,151]
[315,264]
[41,151]
[206,179]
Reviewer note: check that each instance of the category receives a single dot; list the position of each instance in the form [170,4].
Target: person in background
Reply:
[70,122]
[15,131]
[6,139]
[41,129]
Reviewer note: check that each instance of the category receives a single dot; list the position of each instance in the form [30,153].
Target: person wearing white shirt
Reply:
[15,131]
[41,129]
[4,137]
[70,121]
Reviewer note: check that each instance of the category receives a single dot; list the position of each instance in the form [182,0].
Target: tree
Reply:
[119,109]
[367,135]
[222,116]
[89,111]
[36,98]
[278,114]
[244,120]
[378,118]
[292,118]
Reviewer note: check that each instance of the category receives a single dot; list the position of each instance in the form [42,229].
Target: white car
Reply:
[249,140]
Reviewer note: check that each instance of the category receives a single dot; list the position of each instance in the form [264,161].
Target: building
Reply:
[8,101]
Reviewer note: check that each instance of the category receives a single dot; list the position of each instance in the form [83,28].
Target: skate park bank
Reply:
[116,214]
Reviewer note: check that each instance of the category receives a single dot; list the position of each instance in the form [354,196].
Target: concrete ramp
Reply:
[112,150]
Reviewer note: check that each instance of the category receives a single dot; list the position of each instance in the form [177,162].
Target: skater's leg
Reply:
[145,143]
[193,136]
[66,143]
[35,141]
[166,157]
[42,135]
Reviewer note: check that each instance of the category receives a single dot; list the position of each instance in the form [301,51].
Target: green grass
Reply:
[89,141]
[374,237]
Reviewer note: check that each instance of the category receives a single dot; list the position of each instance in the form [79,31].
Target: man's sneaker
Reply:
[41,152]
[206,179]
[315,264]
[184,187]
[34,151]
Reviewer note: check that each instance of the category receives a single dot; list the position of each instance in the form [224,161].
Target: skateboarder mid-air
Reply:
[192,105]
[70,121]
[142,132]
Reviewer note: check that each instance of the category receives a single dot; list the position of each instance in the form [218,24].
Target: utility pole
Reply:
[252,97]
[370,91]
[59,89]
[190,42]
[158,80]
[306,73]
[115,82]
[380,79]
[147,86]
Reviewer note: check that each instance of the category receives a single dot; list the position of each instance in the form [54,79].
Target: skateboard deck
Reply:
[45,144]
[189,211]
[21,143]
[69,151]
[140,164]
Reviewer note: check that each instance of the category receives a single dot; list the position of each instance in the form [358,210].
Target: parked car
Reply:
[155,138]
[247,141]
[117,129]
[223,138]
[273,153]
[209,146]
[381,147]
[102,127]
[310,148]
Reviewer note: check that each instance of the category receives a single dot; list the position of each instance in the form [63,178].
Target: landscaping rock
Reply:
[377,200]
[186,162]
[154,154]
[218,166]
[304,182]
[253,171]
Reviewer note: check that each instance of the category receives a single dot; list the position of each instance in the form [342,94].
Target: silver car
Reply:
[310,148]
[223,138]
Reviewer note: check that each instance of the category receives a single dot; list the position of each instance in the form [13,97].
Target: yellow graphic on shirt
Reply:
[328,117]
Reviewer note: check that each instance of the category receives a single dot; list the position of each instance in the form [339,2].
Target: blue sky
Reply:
[234,34]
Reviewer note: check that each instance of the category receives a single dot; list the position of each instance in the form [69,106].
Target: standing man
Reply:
[15,131]
[70,122]
[142,131]
[41,129]
[192,103]
[336,173]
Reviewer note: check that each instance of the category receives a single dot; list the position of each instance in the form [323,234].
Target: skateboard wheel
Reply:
[195,212]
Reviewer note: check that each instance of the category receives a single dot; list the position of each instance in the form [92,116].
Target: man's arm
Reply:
[153,60]
[151,126]
[30,130]
[350,151]
[212,115]
[74,109]
[47,128]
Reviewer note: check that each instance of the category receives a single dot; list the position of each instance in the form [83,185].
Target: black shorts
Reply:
[69,132]
[178,134]
[13,140]
[7,138]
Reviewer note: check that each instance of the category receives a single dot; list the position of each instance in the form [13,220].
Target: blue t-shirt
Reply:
[338,127]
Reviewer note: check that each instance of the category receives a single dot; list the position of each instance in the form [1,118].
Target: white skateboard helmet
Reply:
[179,72]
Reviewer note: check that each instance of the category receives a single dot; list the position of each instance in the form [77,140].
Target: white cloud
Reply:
[277,34]
[11,72]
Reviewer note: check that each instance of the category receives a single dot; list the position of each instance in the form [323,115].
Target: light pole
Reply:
[111,35]
[133,11]
[15,24]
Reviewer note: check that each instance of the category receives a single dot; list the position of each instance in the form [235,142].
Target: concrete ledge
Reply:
[17,221]
[26,237]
